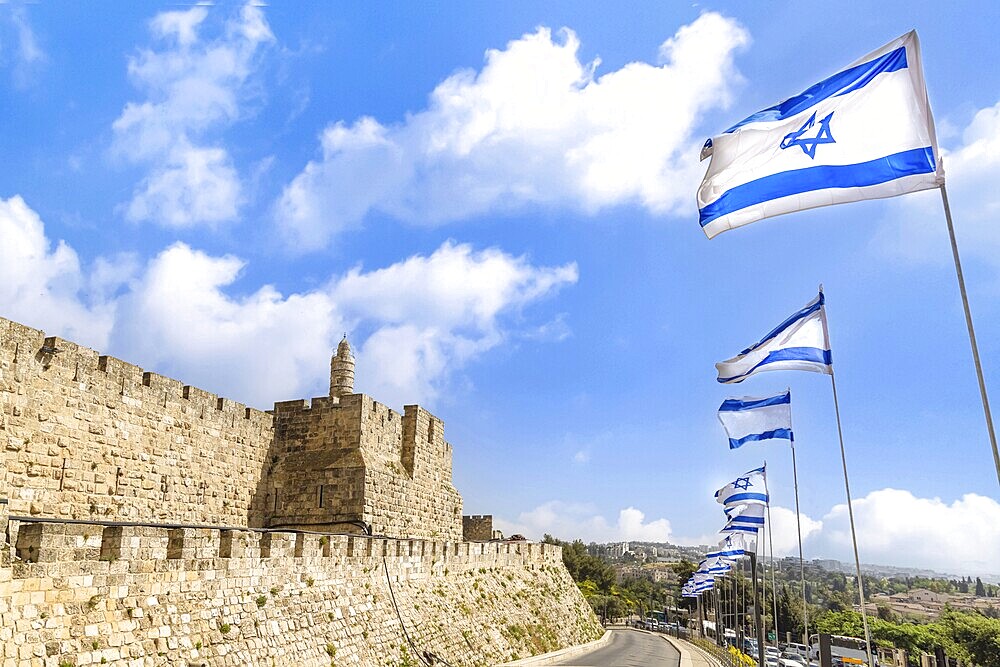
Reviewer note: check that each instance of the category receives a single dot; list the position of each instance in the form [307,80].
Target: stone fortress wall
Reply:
[93,437]
[86,595]
[154,523]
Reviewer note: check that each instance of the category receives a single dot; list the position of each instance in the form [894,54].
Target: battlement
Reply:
[93,437]
[63,359]
[88,594]
[130,546]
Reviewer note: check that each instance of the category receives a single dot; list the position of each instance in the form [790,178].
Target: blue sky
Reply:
[497,203]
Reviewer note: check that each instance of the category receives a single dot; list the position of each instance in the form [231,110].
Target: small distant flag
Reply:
[747,488]
[864,133]
[750,419]
[800,343]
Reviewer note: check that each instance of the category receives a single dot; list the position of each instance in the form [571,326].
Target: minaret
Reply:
[342,370]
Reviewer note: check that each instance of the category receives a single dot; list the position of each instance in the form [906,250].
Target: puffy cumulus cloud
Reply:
[256,348]
[437,312]
[916,228]
[571,521]
[897,528]
[420,321]
[785,531]
[192,86]
[427,317]
[44,286]
[534,126]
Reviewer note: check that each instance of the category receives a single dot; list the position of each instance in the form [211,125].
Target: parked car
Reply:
[791,659]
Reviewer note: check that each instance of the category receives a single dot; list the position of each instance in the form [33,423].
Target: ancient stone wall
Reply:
[354,459]
[92,437]
[316,480]
[477,527]
[408,487]
[82,594]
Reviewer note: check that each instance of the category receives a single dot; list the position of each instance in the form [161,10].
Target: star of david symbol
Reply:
[809,144]
[742,483]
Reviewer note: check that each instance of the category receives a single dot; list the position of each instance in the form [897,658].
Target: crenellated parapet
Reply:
[345,463]
[89,436]
[88,594]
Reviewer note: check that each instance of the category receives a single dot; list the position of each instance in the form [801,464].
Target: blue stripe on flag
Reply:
[748,519]
[737,405]
[841,83]
[801,314]
[741,529]
[814,354]
[822,177]
[762,497]
[766,435]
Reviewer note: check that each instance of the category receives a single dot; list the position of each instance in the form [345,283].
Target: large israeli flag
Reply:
[864,133]
[750,419]
[747,488]
[800,343]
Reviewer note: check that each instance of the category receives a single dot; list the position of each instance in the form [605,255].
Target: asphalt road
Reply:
[629,648]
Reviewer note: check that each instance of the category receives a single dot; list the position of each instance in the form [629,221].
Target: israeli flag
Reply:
[747,488]
[800,343]
[715,566]
[727,549]
[742,540]
[754,419]
[746,519]
[864,133]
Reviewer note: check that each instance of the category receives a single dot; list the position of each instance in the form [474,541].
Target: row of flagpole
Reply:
[802,343]
[875,138]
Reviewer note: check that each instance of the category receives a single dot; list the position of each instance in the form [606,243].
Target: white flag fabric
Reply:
[715,566]
[748,488]
[747,519]
[745,541]
[800,343]
[864,133]
[750,419]
[726,550]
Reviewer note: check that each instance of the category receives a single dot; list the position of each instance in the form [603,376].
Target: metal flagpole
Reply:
[972,332]
[850,514]
[758,621]
[802,565]
[770,540]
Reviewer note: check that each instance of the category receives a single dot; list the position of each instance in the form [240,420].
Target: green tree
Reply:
[980,589]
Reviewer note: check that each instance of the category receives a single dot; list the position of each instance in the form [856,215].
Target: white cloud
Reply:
[193,85]
[916,228]
[570,521]
[897,528]
[26,56]
[534,126]
[428,317]
[785,532]
[257,348]
[39,283]
[894,528]
[420,321]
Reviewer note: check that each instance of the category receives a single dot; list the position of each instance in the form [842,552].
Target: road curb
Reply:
[567,652]
[691,655]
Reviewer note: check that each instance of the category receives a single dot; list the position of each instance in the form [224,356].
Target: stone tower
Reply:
[342,370]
